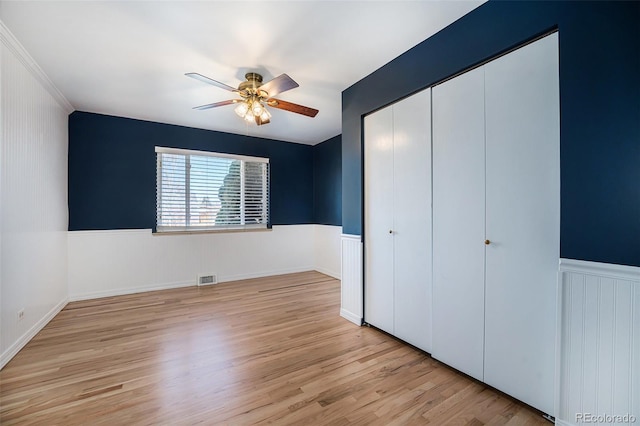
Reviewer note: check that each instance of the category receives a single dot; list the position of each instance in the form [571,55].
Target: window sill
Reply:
[211,231]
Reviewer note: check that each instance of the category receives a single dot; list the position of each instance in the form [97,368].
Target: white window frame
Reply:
[163,229]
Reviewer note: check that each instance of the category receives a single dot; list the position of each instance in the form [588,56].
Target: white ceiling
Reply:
[128,58]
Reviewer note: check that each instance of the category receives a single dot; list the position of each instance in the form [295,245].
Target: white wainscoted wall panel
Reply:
[33,198]
[351,292]
[327,249]
[106,263]
[600,342]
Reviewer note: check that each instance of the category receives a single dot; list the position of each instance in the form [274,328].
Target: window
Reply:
[199,190]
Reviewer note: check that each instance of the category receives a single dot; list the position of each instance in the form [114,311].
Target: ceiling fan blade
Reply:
[210,81]
[278,85]
[288,106]
[217,104]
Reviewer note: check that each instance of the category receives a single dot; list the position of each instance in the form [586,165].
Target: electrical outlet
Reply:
[21,314]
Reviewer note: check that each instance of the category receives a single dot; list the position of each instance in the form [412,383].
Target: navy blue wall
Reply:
[112,170]
[327,182]
[599,111]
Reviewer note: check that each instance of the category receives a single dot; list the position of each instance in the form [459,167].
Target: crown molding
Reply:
[12,43]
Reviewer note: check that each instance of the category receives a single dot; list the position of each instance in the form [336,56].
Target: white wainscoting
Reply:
[107,263]
[351,292]
[327,249]
[33,197]
[599,332]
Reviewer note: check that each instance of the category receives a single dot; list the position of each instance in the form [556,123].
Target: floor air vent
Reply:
[207,279]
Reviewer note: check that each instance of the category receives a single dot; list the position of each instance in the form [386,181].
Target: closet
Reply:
[496,222]
[397,225]
[462,221]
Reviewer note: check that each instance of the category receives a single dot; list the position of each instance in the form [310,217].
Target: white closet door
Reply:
[412,219]
[378,220]
[523,221]
[458,222]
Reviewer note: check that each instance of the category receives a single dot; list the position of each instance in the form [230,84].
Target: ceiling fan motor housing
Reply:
[253,81]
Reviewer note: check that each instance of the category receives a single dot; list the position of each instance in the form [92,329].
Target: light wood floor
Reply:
[270,350]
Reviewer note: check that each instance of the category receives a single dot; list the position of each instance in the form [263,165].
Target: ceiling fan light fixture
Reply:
[253,111]
[257,108]
[242,109]
[249,117]
[262,119]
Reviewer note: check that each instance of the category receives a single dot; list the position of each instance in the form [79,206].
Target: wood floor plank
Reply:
[262,351]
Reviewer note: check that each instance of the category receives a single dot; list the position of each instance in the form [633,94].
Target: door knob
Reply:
[391,231]
[487,242]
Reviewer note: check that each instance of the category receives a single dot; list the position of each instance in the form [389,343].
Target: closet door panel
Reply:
[458,222]
[412,219]
[378,220]
[523,221]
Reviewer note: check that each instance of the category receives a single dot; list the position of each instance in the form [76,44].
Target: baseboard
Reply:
[563,423]
[332,274]
[263,274]
[351,317]
[31,333]
[133,290]
[180,284]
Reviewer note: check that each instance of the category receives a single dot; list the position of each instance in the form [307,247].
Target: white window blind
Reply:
[199,190]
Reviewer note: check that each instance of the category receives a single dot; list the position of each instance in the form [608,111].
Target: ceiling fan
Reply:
[255,96]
